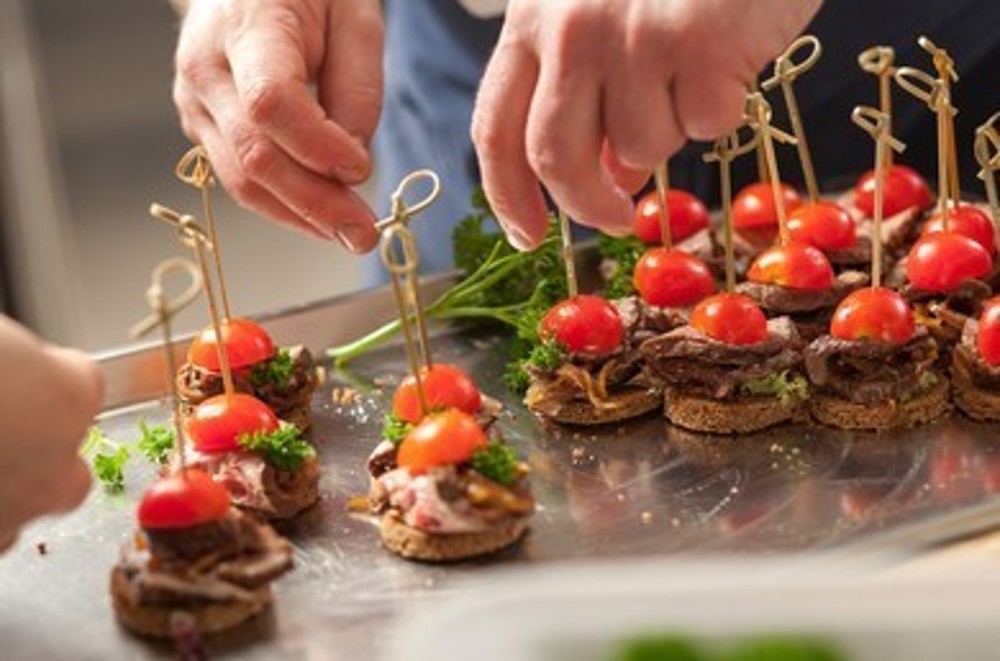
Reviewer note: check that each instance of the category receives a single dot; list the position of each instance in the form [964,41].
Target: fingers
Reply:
[708,105]
[271,75]
[350,80]
[72,489]
[625,177]
[498,132]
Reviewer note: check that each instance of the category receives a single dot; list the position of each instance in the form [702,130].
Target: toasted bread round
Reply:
[157,620]
[416,544]
[290,492]
[625,404]
[740,416]
[919,410]
[977,403]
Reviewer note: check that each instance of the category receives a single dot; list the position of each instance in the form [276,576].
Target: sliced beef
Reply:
[779,300]
[967,360]
[945,314]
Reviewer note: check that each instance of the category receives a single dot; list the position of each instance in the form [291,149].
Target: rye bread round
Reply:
[977,403]
[156,621]
[626,404]
[919,410]
[740,416]
[416,544]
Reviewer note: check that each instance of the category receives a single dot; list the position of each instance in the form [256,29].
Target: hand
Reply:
[588,96]
[243,90]
[48,398]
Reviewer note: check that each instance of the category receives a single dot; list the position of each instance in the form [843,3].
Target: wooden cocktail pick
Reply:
[876,124]
[661,177]
[162,316]
[195,169]
[945,67]
[724,151]
[758,113]
[402,259]
[879,61]
[932,92]
[568,254]
[192,235]
[987,147]
[786,70]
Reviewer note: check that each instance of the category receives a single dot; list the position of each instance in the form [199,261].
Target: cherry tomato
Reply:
[217,423]
[967,220]
[246,344]
[903,189]
[584,324]
[874,313]
[445,386]
[730,318]
[183,500]
[824,225]
[940,262]
[754,205]
[988,339]
[796,265]
[672,278]
[688,215]
[441,439]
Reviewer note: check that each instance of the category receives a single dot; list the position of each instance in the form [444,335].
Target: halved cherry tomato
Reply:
[940,262]
[968,220]
[796,265]
[988,340]
[688,215]
[824,225]
[183,500]
[246,344]
[584,324]
[730,318]
[216,424]
[672,278]
[445,386]
[903,189]
[441,439]
[754,205]
[874,313]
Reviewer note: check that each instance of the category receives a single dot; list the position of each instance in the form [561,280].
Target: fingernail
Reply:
[356,238]
[517,238]
[352,174]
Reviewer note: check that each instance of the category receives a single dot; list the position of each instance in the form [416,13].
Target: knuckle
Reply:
[257,156]
[546,161]
[263,99]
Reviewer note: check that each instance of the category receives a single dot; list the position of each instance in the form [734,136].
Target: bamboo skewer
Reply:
[945,67]
[987,147]
[660,174]
[879,61]
[759,111]
[568,254]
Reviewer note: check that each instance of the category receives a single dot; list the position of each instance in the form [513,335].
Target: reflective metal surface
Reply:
[642,489]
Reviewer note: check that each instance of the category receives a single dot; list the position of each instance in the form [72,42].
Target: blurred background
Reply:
[88,139]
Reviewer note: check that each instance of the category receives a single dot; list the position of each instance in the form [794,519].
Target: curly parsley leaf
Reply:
[284,448]
[496,461]
[108,459]
[789,387]
[277,371]
[545,357]
[155,443]
[395,429]
[622,254]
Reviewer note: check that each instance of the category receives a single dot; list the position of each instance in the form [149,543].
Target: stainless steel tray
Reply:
[642,489]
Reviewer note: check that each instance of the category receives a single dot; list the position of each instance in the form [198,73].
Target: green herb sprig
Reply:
[156,442]
[277,371]
[496,461]
[284,448]
[625,253]
[109,458]
[395,429]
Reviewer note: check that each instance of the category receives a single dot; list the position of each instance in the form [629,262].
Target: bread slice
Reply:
[290,492]
[977,403]
[417,544]
[919,410]
[624,404]
[740,416]
[158,621]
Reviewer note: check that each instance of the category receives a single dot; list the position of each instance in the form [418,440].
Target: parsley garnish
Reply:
[155,443]
[395,429]
[496,461]
[624,252]
[284,448]
[787,386]
[108,458]
[278,370]
[546,357]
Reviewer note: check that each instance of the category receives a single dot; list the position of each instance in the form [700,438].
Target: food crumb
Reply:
[385,380]
[577,453]
[647,518]
[42,548]
[320,375]
[344,396]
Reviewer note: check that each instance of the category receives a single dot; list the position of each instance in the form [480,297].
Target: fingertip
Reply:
[359,238]
[75,487]
[88,376]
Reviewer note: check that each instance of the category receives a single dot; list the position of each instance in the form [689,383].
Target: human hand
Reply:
[244,71]
[587,96]
[48,398]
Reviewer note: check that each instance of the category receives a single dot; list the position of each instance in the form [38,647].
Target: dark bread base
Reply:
[741,416]
[843,414]
[415,544]
[628,403]
[157,621]
[977,403]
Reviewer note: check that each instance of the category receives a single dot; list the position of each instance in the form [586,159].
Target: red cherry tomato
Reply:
[445,386]
[672,278]
[217,423]
[874,313]
[754,205]
[584,324]
[246,344]
[967,220]
[441,439]
[940,262]
[903,189]
[796,265]
[182,501]
[988,340]
[730,318]
[688,215]
[824,225]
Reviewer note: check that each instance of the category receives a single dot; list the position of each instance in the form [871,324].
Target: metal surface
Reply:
[642,489]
